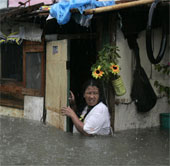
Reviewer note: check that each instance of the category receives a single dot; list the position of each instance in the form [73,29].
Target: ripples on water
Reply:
[27,142]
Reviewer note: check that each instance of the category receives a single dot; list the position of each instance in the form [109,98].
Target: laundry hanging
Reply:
[12,37]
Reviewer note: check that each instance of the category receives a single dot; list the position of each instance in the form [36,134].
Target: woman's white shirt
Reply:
[97,121]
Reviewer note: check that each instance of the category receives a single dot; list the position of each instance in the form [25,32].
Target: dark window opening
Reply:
[12,61]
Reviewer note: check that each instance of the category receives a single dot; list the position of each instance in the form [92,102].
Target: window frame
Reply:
[34,47]
[18,89]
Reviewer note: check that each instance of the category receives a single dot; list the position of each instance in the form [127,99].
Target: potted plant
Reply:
[107,68]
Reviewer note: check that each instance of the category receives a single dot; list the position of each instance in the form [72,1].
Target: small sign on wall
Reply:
[55,50]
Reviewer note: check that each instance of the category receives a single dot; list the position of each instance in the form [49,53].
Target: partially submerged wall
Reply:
[33,109]
[13,112]
[126,115]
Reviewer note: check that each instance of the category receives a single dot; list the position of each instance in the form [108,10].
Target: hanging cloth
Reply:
[13,38]
[142,92]
[2,38]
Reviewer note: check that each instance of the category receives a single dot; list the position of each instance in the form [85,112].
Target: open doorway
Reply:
[82,56]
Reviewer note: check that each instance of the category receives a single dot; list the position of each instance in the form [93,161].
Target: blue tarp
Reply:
[61,10]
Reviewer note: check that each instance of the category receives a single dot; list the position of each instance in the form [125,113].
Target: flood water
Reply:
[27,142]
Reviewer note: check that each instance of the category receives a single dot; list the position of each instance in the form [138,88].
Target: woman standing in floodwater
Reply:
[95,118]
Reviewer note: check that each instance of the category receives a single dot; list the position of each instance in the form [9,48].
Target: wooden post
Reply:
[106,31]
[112,40]
[117,6]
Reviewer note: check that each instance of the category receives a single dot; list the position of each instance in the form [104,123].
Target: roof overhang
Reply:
[26,13]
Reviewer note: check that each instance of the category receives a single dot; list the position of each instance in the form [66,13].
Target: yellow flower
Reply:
[97,73]
[114,68]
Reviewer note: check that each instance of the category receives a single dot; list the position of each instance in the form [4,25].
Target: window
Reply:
[33,70]
[22,72]
[11,61]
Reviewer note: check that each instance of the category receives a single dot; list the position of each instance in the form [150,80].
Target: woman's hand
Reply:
[78,124]
[72,102]
[67,111]
[71,98]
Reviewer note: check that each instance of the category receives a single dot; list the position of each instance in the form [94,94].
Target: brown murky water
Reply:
[26,142]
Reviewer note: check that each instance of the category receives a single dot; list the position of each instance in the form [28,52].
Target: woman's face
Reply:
[91,95]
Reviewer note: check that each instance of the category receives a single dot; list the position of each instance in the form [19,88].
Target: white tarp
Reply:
[17,32]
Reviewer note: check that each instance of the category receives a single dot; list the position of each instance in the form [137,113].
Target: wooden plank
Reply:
[32,46]
[27,42]
[12,103]
[11,99]
[54,37]
[31,92]
[11,88]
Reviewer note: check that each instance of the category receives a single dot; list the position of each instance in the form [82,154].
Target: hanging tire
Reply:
[149,49]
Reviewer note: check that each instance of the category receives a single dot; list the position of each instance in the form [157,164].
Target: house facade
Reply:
[41,61]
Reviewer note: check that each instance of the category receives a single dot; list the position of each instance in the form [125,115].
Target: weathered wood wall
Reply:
[56,83]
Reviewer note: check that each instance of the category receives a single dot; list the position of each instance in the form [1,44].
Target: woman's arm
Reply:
[78,124]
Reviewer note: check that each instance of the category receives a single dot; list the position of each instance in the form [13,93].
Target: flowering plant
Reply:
[106,66]
[163,89]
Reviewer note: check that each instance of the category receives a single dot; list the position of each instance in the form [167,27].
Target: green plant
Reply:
[106,66]
[165,69]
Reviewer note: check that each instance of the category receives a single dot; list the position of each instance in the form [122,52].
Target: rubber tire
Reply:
[149,37]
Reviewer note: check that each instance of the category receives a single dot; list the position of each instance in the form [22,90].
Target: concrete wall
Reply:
[126,115]
[13,112]
[33,109]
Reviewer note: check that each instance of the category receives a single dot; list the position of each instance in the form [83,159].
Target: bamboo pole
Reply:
[117,7]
